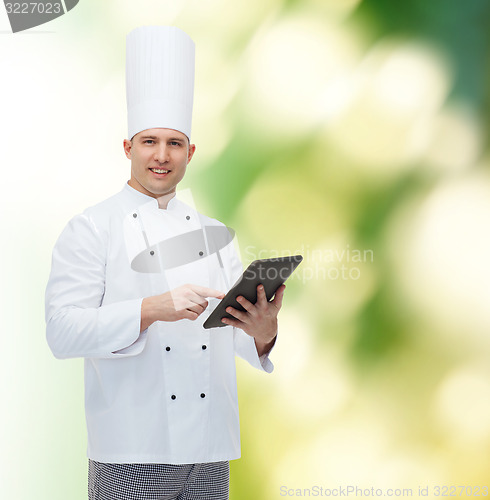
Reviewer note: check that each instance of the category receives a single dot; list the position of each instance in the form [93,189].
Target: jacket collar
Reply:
[141,198]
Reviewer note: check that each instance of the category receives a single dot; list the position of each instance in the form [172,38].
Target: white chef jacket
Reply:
[169,394]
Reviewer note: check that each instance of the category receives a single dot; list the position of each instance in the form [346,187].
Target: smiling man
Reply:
[160,390]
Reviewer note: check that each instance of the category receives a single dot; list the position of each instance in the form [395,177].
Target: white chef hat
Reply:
[159,79]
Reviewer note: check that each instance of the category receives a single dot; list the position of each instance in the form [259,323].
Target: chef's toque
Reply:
[159,79]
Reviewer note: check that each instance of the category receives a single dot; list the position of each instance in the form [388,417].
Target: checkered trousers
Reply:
[207,481]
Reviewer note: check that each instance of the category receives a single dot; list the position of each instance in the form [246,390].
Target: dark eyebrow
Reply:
[154,137]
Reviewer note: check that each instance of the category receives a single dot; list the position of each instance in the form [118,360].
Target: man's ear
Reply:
[190,154]
[127,148]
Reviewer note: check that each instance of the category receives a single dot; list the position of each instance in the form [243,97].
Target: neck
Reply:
[163,200]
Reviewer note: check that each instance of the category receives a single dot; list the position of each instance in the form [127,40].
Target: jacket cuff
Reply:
[246,349]
[119,329]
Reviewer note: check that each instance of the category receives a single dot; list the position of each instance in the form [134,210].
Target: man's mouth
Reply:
[159,171]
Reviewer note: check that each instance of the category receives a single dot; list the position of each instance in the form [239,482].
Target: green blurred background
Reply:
[354,132]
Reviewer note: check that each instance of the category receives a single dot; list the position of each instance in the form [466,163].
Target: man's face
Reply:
[159,157]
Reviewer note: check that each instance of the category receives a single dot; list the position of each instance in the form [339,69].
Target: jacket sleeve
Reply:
[77,322]
[245,344]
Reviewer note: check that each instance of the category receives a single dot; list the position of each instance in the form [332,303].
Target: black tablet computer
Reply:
[272,273]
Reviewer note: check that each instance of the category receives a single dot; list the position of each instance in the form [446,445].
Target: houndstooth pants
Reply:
[207,481]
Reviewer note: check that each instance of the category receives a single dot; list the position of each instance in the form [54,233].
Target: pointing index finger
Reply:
[207,292]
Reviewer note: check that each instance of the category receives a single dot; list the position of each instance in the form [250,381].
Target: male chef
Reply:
[128,292]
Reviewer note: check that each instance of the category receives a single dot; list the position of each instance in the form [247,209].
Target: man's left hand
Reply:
[259,320]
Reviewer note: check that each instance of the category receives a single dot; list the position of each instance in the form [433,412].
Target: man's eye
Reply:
[175,143]
[148,141]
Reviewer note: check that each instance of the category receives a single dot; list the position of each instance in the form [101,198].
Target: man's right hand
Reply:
[185,302]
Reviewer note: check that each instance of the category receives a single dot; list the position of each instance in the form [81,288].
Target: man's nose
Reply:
[161,154]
